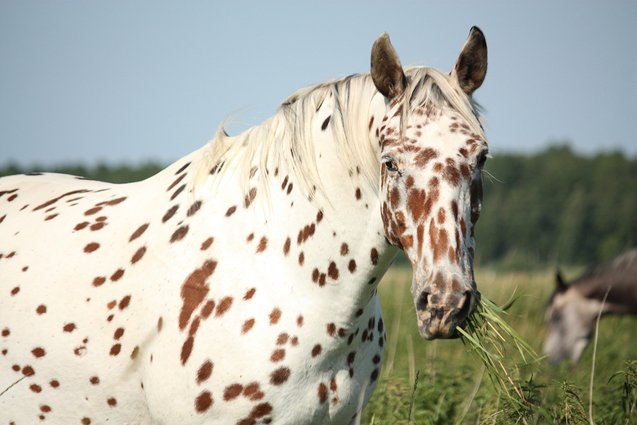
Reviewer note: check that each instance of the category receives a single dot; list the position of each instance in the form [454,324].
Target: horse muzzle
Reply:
[440,311]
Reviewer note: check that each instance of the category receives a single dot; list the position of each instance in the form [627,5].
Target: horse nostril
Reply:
[422,302]
[465,308]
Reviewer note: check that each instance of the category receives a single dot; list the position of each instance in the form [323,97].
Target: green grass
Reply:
[445,382]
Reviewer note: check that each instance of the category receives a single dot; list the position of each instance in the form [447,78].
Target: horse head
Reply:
[433,150]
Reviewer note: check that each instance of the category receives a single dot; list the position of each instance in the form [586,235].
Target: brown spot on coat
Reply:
[232,391]
[249,293]
[263,244]
[206,244]
[279,376]
[204,371]
[194,290]
[38,352]
[170,213]
[247,325]
[203,401]
[179,234]
[140,231]
[138,255]
[275,315]
[223,306]
[91,247]
[322,393]
[117,275]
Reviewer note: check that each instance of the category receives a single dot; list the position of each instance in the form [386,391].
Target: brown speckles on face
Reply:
[286,246]
[344,249]
[94,380]
[41,309]
[231,210]
[69,327]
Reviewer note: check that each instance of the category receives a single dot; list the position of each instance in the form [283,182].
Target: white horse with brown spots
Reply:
[238,286]
[572,310]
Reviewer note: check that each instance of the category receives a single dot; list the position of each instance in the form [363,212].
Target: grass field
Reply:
[441,382]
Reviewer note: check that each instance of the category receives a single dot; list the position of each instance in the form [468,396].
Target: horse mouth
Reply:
[443,321]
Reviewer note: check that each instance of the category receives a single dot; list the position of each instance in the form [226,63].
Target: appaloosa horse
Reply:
[573,308]
[238,285]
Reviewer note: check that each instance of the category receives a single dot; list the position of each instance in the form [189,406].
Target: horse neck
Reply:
[615,284]
[324,238]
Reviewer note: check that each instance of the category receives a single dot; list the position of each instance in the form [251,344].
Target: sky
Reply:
[134,81]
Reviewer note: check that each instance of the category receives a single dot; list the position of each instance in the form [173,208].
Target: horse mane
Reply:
[286,137]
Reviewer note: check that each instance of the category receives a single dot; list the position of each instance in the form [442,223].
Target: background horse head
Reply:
[572,309]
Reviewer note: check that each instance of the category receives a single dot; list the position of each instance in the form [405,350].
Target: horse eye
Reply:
[482,158]
[390,164]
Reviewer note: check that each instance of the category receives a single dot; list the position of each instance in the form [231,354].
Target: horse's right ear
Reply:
[560,284]
[387,72]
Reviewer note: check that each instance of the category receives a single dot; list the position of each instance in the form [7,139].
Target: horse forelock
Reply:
[287,136]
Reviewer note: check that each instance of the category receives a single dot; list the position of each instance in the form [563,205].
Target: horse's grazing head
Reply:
[432,152]
[570,319]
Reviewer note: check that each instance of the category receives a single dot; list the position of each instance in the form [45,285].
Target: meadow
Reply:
[443,382]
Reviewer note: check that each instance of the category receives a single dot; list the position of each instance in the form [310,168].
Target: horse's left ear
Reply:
[387,72]
[471,65]
[560,284]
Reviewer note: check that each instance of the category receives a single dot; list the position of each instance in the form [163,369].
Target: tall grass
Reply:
[453,386]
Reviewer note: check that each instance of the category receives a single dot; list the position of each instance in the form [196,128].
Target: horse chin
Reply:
[434,329]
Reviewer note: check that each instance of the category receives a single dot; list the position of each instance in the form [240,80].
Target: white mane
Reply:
[286,137]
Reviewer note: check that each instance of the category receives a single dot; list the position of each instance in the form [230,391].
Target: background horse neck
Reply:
[621,275]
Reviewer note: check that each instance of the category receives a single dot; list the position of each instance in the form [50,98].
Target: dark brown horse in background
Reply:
[573,308]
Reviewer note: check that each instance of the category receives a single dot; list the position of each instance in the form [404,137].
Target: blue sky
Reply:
[88,81]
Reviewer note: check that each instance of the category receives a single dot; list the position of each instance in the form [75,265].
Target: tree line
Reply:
[552,207]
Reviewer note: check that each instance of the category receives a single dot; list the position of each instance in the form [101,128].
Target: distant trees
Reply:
[555,206]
